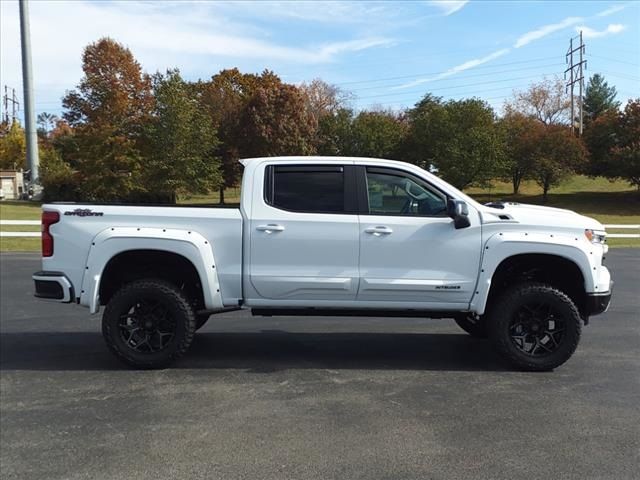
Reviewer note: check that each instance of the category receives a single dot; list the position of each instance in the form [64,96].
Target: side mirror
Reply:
[458,210]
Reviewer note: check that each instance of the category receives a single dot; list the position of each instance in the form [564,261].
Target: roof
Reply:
[306,158]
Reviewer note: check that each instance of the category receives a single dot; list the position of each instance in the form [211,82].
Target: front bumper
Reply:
[598,303]
[53,286]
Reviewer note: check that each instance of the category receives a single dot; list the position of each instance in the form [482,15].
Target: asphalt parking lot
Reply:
[313,398]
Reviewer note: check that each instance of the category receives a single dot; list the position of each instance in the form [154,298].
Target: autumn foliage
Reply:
[126,135]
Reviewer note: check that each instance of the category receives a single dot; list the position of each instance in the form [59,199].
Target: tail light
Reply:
[48,219]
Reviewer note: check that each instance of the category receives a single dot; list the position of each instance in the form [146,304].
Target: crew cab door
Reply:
[410,250]
[304,235]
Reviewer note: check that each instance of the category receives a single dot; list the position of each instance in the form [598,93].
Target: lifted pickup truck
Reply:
[330,236]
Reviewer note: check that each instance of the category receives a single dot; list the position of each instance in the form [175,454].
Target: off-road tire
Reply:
[177,305]
[474,326]
[502,316]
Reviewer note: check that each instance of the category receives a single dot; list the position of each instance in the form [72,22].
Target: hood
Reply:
[536,215]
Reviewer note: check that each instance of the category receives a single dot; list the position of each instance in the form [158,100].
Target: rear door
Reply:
[304,235]
[409,248]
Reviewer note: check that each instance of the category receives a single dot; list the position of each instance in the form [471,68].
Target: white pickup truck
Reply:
[330,236]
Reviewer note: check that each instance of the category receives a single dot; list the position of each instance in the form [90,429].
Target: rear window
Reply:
[308,189]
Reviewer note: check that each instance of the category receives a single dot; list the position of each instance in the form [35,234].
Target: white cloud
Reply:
[545,30]
[161,35]
[612,29]
[332,49]
[457,69]
[611,10]
[448,7]
[326,11]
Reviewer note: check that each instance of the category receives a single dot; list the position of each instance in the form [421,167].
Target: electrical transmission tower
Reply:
[13,100]
[576,75]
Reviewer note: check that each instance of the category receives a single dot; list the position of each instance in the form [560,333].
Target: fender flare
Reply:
[501,246]
[115,240]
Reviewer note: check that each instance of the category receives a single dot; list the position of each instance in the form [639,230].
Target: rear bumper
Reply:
[598,303]
[53,286]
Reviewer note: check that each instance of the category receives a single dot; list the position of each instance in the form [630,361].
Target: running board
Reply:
[334,312]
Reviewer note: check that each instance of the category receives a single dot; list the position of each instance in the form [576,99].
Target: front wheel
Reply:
[535,326]
[148,324]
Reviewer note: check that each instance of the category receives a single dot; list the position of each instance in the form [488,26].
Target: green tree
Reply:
[276,122]
[109,111]
[59,181]
[181,141]
[335,133]
[46,121]
[600,138]
[556,154]
[519,133]
[377,134]
[13,147]
[599,97]
[458,138]
[626,152]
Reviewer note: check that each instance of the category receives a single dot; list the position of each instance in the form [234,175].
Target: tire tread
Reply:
[180,302]
[501,342]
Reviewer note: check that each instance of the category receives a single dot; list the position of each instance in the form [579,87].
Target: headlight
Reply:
[595,236]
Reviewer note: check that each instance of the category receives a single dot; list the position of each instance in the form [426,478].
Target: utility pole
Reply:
[27,82]
[576,75]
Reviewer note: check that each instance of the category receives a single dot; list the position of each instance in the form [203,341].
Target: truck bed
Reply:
[80,224]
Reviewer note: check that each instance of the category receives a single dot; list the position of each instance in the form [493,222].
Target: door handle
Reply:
[379,230]
[272,227]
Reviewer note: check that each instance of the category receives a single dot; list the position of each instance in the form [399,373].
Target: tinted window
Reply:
[307,189]
[395,194]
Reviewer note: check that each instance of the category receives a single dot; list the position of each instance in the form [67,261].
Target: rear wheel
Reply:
[474,325]
[148,324]
[535,326]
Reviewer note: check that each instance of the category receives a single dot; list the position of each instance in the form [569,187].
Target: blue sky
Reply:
[388,54]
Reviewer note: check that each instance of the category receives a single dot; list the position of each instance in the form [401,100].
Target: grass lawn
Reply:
[9,244]
[16,210]
[608,202]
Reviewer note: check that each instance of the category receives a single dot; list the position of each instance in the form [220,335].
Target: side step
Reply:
[335,312]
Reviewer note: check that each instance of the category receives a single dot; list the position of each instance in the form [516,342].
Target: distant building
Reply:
[11,185]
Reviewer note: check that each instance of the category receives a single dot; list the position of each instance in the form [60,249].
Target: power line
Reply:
[370,105]
[614,60]
[624,76]
[442,71]
[453,87]
[448,79]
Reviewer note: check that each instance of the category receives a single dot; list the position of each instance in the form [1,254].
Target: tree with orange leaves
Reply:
[108,112]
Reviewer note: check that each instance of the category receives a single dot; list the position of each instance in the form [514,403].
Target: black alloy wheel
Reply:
[537,329]
[148,323]
[148,326]
[535,326]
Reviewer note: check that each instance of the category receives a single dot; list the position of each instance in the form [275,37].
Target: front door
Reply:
[304,236]
[410,251]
